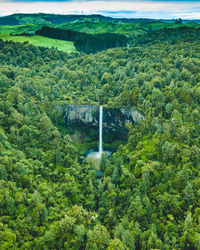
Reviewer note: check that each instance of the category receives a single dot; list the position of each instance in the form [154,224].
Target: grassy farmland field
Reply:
[128,29]
[8,29]
[64,46]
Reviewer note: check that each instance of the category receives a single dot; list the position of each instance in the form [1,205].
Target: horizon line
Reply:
[97,14]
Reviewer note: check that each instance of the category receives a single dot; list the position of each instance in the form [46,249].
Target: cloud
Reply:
[134,9]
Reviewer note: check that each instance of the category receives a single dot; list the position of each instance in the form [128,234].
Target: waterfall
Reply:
[100,130]
[97,155]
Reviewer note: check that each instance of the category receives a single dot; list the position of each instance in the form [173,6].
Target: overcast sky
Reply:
[167,9]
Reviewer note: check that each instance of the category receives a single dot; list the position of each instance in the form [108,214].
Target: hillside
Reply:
[42,18]
[8,33]
[22,28]
[147,196]
[129,29]
[89,43]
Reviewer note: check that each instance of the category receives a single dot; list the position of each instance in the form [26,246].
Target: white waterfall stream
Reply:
[97,155]
[100,130]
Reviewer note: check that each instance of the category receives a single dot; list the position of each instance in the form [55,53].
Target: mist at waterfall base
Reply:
[97,155]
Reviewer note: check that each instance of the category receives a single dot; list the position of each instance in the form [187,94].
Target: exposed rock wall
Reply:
[113,119]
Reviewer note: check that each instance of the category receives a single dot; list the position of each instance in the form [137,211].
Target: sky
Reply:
[166,9]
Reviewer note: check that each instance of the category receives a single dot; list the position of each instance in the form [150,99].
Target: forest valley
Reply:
[149,194]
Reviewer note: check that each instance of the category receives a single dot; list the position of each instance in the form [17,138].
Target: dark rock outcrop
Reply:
[82,114]
[113,119]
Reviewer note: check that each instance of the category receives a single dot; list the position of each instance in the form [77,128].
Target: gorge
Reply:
[114,119]
[85,123]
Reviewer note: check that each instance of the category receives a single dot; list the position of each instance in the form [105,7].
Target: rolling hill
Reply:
[135,29]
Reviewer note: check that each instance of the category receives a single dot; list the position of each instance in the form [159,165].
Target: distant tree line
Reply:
[88,43]
[168,36]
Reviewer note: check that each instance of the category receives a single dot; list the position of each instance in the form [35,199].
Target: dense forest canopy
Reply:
[148,196]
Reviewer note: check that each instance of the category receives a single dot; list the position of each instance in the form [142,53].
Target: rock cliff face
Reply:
[113,119]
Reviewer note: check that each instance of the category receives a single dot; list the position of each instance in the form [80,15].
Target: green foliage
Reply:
[147,196]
